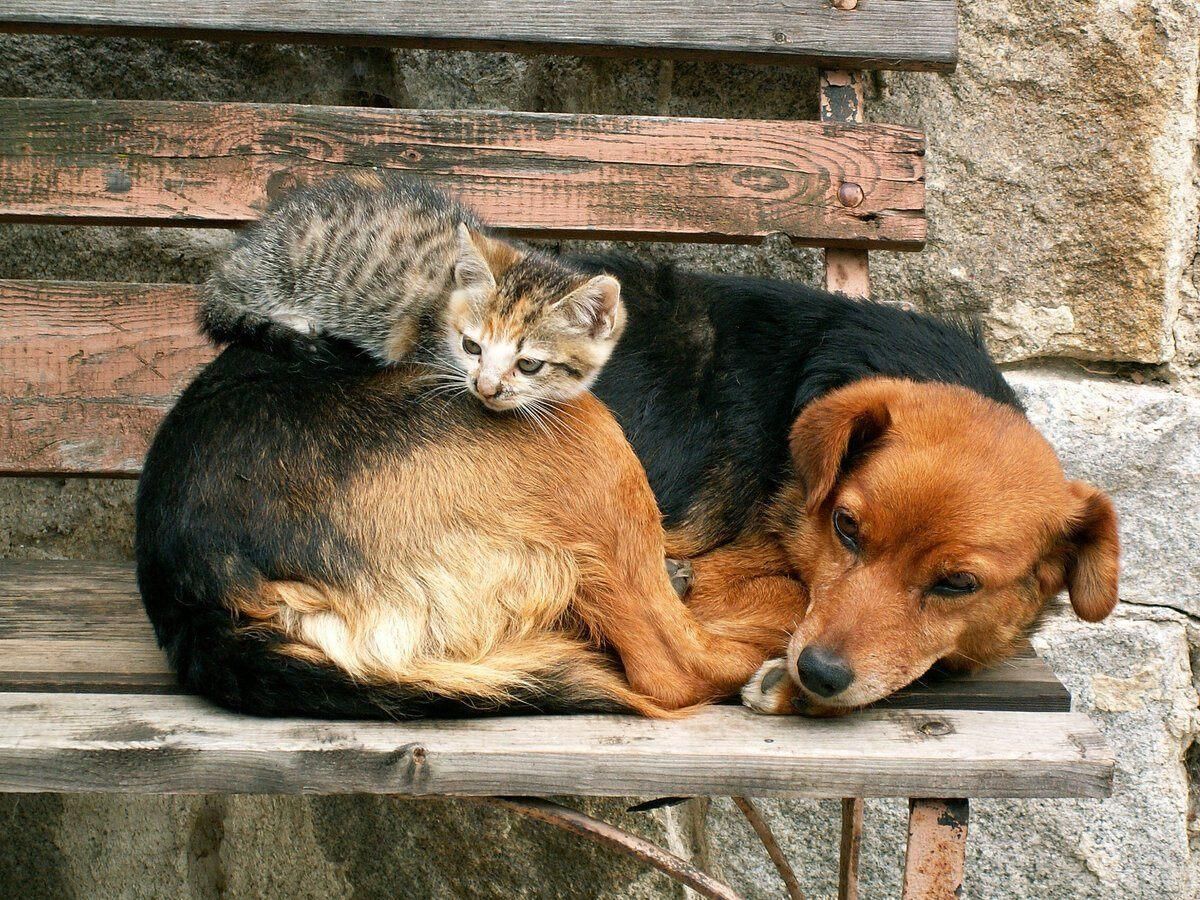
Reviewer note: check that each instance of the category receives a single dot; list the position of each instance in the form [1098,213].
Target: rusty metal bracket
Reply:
[763,830]
[615,838]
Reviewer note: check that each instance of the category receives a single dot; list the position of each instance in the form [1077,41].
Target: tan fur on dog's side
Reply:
[508,561]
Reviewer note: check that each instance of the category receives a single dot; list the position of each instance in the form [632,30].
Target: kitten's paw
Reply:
[770,690]
[681,574]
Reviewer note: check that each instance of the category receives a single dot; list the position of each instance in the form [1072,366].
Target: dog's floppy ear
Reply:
[1092,565]
[833,434]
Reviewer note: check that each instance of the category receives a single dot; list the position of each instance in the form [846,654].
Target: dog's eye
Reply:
[846,527]
[956,583]
[529,366]
[470,346]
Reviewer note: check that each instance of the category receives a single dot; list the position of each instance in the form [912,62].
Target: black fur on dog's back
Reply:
[712,370]
[214,518]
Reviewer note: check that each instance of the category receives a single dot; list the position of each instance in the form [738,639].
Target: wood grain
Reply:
[206,164]
[841,99]
[88,371]
[849,848]
[172,744]
[891,34]
[79,627]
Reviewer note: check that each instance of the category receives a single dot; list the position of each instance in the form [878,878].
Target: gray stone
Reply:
[56,518]
[1061,173]
[63,847]
[1141,444]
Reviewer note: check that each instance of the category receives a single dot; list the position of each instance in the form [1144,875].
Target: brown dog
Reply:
[927,524]
[317,536]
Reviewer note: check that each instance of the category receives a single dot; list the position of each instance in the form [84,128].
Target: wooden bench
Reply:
[88,369]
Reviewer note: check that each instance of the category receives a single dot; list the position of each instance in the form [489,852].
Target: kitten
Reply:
[404,273]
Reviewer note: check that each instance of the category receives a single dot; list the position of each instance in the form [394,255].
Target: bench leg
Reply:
[937,843]
[852,817]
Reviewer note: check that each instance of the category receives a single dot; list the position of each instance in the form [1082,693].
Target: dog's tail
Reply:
[263,660]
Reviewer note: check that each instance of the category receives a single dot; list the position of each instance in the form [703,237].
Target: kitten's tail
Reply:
[225,319]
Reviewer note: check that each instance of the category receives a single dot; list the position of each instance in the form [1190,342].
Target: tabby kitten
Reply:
[404,273]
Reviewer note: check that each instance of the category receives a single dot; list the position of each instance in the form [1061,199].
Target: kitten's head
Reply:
[525,329]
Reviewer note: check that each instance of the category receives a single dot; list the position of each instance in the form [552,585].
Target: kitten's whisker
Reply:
[547,411]
[531,416]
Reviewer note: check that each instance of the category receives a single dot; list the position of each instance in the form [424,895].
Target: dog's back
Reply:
[713,370]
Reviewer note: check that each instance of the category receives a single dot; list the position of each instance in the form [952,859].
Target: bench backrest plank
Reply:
[87,372]
[601,176]
[892,34]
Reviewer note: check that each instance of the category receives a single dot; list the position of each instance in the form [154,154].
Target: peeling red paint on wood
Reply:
[87,371]
[937,841]
[208,164]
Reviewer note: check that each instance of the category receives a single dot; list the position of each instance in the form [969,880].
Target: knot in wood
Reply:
[935,728]
[844,4]
[850,194]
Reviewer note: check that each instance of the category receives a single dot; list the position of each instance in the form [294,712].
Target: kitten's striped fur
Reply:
[404,272]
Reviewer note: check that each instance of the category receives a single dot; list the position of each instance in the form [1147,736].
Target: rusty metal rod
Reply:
[611,836]
[852,818]
[763,830]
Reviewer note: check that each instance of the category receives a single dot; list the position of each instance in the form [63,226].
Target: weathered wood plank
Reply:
[889,34]
[172,744]
[840,99]
[88,371]
[167,163]
[79,626]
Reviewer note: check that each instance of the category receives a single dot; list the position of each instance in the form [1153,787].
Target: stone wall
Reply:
[1063,193]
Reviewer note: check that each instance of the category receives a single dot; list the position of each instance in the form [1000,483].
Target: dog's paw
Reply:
[770,690]
[681,574]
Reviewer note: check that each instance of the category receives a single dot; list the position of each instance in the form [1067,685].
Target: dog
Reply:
[870,459]
[853,484]
[319,536]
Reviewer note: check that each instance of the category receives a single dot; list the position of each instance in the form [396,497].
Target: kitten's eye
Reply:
[529,366]
[956,583]
[470,346]
[846,527]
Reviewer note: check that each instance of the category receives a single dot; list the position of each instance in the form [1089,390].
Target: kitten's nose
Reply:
[487,384]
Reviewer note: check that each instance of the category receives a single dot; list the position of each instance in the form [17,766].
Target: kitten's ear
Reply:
[596,307]
[481,259]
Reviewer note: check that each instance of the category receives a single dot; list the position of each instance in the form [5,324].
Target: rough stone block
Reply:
[1061,163]
[1142,444]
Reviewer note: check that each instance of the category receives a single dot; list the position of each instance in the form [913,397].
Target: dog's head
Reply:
[930,524]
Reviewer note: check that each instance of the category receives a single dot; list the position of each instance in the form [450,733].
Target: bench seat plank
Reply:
[217,164]
[891,34]
[75,626]
[180,744]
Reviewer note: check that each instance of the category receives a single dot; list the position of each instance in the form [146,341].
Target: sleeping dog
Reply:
[873,456]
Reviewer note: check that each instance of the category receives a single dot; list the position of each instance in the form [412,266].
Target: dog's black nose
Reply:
[823,672]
